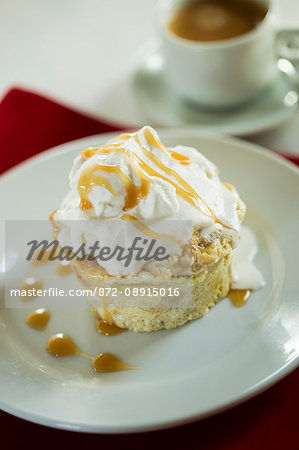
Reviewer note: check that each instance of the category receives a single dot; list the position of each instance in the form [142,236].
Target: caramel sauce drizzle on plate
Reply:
[135,193]
[28,284]
[239,297]
[38,319]
[107,328]
[105,325]
[61,344]
[105,362]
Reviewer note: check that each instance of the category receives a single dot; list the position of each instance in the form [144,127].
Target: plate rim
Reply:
[212,135]
[253,390]
[158,426]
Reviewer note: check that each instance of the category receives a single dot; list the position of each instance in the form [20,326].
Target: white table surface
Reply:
[80,52]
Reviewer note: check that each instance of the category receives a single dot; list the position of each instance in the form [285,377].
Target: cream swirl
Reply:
[136,174]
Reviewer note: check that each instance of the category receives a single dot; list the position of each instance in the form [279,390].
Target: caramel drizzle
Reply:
[38,319]
[51,216]
[105,325]
[88,179]
[187,192]
[107,328]
[105,362]
[62,344]
[229,186]
[135,193]
[29,284]
[128,217]
[182,159]
[239,297]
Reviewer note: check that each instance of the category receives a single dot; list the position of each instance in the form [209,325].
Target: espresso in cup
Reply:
[216,20]
[217,53]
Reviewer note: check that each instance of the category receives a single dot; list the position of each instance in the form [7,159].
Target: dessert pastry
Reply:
[136,177]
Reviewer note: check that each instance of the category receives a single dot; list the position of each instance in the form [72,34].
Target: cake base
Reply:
[210,284]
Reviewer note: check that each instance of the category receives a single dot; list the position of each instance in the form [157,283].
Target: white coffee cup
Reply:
[218,74]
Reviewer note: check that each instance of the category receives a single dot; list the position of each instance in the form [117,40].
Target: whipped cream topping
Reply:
[244,273]
[136,175]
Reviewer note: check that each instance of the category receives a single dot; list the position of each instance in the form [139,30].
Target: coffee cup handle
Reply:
[287,47]
[287,44]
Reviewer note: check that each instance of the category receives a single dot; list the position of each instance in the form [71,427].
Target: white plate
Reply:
[188,373]
[163,107]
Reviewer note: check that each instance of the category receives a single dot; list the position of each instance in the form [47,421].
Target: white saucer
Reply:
[162,107]
[187,373]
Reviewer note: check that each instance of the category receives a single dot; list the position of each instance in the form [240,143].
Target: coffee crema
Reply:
[216,20]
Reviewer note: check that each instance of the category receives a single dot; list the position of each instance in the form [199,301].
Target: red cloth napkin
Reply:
[29,124]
